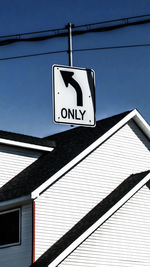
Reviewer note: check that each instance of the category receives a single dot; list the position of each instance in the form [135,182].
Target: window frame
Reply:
[14,243]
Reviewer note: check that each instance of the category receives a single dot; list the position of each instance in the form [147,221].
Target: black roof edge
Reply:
[76,128]
[26,139]
[50,139]
[88,220]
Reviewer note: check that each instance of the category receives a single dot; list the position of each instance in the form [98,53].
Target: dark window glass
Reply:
[9,227]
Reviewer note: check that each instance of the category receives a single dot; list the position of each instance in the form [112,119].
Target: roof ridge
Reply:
[16,133]
[86,128]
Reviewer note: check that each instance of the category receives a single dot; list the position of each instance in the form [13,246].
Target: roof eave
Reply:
[25,145]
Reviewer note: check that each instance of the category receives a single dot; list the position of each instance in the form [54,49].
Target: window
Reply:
[10,227]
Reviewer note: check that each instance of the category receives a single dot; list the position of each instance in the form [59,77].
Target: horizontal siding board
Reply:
[123,240]
[60,207]
[20,255]
[13,160]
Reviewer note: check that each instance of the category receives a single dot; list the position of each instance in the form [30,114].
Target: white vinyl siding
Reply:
[13,160]
[61,206]
[20,255]
[123,240]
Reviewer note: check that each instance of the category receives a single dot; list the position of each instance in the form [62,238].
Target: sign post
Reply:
[74,96]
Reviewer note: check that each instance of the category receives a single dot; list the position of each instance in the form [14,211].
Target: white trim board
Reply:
[99,222]
[25,145]
[132,115]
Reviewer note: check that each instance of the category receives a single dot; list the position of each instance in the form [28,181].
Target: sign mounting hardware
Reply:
[74,96]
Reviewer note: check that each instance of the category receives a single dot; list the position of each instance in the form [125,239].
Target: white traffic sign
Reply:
[74,95]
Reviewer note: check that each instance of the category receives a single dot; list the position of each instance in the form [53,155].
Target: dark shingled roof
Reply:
[26,139]
[87,221]
[69,144]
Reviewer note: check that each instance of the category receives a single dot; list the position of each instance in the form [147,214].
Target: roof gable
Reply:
[97,216]
[71,147]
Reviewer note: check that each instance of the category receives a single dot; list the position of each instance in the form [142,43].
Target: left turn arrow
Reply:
[68,79]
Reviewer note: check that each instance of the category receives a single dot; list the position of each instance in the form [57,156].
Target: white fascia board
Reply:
[97,224]
[15,202]
[88,150]
[142,123]
[25,145]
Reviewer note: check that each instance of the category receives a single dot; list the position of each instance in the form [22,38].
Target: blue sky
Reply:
[122,75]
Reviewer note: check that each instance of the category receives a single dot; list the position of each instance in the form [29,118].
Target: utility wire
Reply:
[115,20]
[35,32]
[31,39]
[76,50]
[111,47]
[34,55]
[62,32]
[78,26]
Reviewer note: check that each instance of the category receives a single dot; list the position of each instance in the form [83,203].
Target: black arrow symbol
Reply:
[67,77]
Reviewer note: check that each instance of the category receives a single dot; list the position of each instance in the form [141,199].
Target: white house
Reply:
[77,198]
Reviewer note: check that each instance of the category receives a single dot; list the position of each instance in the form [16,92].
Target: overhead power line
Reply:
[111,47]
[76,50]
[57,30]
[34,32]
[144,16]
[33,55]
[76,30]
